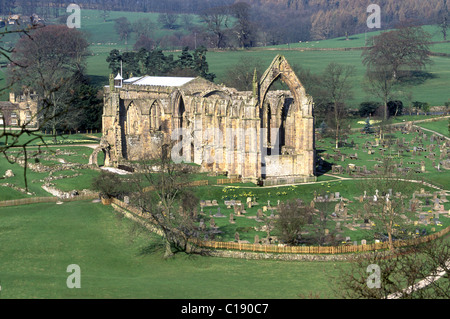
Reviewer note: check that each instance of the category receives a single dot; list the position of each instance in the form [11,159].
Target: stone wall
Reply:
[219,128]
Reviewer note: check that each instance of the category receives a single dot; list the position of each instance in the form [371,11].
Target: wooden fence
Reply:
[36,200]
[228,181]
[281,249]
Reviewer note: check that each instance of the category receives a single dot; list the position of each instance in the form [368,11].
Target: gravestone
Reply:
[249,202]
[259,214]
[9,173]
[363,242]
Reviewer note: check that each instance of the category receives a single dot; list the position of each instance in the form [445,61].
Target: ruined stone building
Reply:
[260,135]
[19,110]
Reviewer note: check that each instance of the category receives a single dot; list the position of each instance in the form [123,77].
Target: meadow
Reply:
[117,259]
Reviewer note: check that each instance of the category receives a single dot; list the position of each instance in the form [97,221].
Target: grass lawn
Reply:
[437,126]
[118,260]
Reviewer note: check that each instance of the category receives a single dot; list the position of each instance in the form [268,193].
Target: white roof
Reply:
[160,80]
[131,80]
[118,77]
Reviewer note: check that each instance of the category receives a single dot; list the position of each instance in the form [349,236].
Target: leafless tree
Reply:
[414,272]
[292,217]
[406,46]
[337,91]
[387,201]
[164,195]
[217,21]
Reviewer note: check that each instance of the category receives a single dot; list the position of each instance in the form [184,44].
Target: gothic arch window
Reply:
[155,117]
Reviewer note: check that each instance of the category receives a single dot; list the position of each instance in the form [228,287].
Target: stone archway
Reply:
[105,148]
[297,156]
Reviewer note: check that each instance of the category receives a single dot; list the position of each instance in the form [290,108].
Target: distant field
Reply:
[103,38]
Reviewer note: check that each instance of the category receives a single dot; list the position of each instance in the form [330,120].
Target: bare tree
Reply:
[292,216]
[50,62]
[443,20]
[387,204]
[403,47]
[414,272]
[123,28]
[337,90]
[217,24]
[168,20]
[240,76]
[380,82]
[165,197]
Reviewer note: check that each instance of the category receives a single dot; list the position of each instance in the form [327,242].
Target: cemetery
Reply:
[246,213]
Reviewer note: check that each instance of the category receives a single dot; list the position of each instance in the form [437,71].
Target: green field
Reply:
[437,126]
[118,260]
[103,38]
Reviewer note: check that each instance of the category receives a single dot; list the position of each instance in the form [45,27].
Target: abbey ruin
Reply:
[260,135]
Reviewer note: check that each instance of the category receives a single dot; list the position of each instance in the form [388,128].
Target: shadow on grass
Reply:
[347,39]
[325,167]
[415,77]
[153,247]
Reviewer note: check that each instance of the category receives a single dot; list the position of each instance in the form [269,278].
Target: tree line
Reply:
[156,63]
[228,23]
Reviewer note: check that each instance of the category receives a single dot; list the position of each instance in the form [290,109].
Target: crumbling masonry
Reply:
[260,135]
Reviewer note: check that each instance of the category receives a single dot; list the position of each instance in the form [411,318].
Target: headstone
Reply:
[336,208]
[9,173]
[259,213]
[436,204]
[126,199]
[363,242]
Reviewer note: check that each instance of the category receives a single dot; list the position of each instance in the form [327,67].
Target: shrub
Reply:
[108,184]
[368,108]
[395,108]
[424,106]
